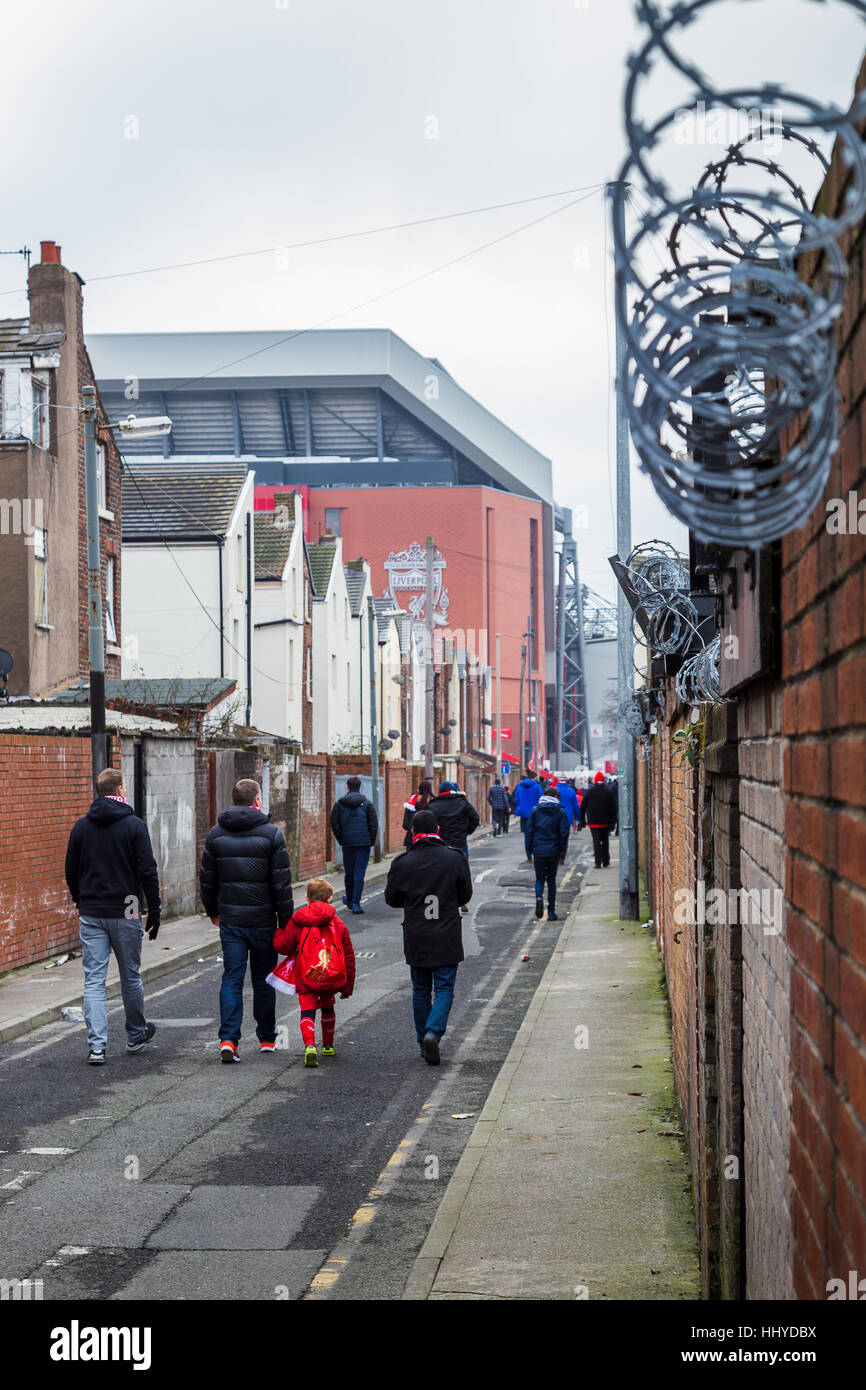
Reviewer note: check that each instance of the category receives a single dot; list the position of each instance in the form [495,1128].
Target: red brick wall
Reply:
[314,835]
[37,916]
[824,718]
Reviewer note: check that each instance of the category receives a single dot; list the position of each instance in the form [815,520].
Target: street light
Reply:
[372,619]
[148,427]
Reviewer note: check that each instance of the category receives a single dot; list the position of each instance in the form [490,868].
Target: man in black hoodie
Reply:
[432,884]
[456,817]
[354,825]
[246,888]
[109,867]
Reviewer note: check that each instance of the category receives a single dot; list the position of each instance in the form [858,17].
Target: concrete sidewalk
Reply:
[574,1183]
[35,995]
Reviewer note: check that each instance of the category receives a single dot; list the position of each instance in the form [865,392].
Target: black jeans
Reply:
[601,845]
[499,819]
[545,872]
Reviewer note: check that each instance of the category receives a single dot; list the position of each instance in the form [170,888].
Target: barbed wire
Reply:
[731,356]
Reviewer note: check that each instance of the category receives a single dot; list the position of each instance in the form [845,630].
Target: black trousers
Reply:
[601,845]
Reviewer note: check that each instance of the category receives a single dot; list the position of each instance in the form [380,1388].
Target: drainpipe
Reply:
[249,626]
[220,540]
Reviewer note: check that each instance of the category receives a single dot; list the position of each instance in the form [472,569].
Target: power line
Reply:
[328,240]
[383,294]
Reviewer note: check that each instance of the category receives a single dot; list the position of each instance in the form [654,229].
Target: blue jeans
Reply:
[237,944]
[432,997]
[545,872]
[99,936]
[355,861]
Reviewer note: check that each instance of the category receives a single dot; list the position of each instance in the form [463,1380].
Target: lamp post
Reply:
[374,715]
[145,428]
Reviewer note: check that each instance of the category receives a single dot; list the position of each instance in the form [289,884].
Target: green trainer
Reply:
[311,1057]
[329,1051]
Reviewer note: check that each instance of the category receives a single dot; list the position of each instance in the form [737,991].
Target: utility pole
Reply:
[374,725]
[428,692]
[522,728]
[498,708]
[625,758]
[98,747]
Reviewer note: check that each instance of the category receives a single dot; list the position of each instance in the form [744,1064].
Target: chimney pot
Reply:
[50,253]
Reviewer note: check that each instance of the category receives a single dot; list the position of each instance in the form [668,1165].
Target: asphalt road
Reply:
[166,1175]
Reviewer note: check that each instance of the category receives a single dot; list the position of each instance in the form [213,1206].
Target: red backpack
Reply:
[321,963]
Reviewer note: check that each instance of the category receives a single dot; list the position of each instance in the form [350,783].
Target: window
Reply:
[291,683]
[39,413]
[101,486]
[40,563]
[110,627]
[309,676]
[240,574]
[348,685]
[332,520]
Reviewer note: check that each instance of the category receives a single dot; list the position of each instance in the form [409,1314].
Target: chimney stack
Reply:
[50,254]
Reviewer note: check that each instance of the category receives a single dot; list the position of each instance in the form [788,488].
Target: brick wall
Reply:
[766,991]
[824,779]
[37,916]
[314,835]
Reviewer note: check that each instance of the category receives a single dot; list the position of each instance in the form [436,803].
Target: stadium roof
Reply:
[252,391]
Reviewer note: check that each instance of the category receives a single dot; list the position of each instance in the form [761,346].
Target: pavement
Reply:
[575,1183]
[38,994]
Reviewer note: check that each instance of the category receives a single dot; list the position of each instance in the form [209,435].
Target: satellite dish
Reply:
[394,733]
[6,662]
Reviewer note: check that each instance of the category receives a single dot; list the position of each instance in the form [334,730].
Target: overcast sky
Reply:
[258,123]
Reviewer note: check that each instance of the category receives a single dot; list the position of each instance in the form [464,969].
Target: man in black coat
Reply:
[246,888]
[599,811]
[109,865]
[354,824]
[432,883]
[547,837]
[456,817]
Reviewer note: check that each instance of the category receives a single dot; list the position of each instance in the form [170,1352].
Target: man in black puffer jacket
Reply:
[246,888]
[354,824]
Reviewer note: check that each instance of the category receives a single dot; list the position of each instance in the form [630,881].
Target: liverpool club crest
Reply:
[407,575]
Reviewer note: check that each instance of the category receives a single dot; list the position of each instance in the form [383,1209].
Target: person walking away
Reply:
[246,888]
[568,801]
[526,796]
[456,818]
[548,840]
[431,882]
[418,802]
[109,868]
[614,786]
[598,811]
[510,812]
[355,825]
[324,965]
[498,798]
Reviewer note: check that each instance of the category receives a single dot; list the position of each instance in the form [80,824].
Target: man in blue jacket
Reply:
[547,835]
[355,826]
[526,795]
[570,803]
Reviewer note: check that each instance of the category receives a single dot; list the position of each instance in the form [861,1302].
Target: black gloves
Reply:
[152,926]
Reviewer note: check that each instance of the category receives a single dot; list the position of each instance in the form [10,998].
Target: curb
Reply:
[422,1277]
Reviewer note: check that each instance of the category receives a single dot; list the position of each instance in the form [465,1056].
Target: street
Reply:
[168,1176]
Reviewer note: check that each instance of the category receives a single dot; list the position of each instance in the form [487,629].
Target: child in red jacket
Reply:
[320,915]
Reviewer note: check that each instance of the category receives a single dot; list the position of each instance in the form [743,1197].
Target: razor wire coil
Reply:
[729,383]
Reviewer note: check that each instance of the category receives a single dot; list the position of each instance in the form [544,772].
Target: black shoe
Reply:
[96,1059]
[539,907]
[149,1032]
[552,917]
[430,1049]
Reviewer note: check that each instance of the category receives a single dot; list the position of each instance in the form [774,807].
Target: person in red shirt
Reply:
[319,912]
